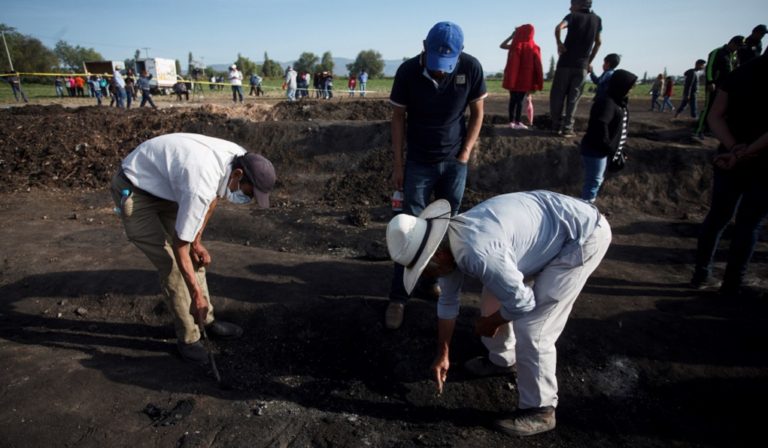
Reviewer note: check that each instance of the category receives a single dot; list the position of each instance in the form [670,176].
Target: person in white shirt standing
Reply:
[166,190]
[556,240]
[236,80]
[290,83]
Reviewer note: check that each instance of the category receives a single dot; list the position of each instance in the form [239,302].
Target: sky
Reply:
[650,35]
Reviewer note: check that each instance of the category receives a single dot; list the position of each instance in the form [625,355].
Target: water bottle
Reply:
[126,204]
[397,201]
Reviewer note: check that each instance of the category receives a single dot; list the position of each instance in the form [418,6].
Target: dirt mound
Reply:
[339,151]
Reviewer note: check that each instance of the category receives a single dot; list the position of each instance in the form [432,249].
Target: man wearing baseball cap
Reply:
[166,191]
[431,139]
[533,252]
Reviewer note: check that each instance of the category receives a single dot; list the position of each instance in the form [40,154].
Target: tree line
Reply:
[30,55]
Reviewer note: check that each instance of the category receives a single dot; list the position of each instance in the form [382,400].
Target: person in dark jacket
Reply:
[691,88]
[720,63]
[753,45]
[606,132]
[739,185]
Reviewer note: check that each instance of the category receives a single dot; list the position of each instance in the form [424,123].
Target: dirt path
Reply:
[87,348]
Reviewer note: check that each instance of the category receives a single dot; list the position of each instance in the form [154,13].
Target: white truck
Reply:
[163,72]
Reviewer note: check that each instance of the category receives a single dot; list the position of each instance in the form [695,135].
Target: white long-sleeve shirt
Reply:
[509,237]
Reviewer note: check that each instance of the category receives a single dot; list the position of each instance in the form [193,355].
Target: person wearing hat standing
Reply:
[556,240]
[236,81]
[575,55]
[166,191]
[429,96]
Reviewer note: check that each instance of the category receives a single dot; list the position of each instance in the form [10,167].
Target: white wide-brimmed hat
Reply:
[412,240]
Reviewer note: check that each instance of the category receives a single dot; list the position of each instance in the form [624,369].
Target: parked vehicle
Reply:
[163,73]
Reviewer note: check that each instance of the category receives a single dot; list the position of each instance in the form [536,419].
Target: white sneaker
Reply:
[521,126]
[513,125]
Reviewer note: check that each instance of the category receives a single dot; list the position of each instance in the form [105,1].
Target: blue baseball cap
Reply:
[443,46]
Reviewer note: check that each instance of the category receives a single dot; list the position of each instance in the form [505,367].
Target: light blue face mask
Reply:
[237,196]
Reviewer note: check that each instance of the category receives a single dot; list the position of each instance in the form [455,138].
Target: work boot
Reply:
[481,366]
[223,330]
[194,352]
[393,318]
[527,422]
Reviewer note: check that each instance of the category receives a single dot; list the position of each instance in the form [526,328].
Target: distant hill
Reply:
[339,64]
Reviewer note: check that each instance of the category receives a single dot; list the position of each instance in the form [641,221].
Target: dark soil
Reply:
[88,350]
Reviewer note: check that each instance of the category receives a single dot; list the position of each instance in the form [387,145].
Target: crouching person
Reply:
[554,239]
[167,189]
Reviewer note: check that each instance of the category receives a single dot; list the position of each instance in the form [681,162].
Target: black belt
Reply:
[134,188]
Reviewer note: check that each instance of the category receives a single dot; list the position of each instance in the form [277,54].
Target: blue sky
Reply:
[651,35]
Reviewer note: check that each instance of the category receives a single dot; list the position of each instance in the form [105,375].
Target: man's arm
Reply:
[558,29]
[190,256]
[737,151]
[595,47]
[476,113]
[441,364]
[398,145]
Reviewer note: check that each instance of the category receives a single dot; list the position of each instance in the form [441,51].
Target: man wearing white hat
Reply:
[553,239]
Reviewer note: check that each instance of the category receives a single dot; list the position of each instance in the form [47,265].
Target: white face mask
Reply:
[237,196]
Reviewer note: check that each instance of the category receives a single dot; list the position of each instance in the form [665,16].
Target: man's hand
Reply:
[488,326]
[440,368]
[200,255]
[561,48]
[199,308]
[463,156]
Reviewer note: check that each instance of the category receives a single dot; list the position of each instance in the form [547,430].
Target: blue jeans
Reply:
[594,172]
[655,101]
[446,180]
[747,197]
[564,97]
[237,91]
[120,96]
[667,103]
[689,100]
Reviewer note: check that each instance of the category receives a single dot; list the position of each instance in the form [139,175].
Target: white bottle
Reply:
[397,201]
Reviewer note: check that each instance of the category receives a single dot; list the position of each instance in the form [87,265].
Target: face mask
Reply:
[237,196]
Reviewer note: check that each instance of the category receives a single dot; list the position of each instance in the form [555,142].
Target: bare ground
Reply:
[89,356]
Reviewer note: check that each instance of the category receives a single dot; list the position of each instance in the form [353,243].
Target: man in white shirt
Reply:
[236,80]
[166,190]
[290,83]
[556,240]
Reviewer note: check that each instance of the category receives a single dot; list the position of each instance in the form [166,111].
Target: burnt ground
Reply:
[88,355]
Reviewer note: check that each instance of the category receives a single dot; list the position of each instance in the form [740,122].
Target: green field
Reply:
[273,88]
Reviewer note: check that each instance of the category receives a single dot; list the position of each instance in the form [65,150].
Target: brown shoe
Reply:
[527,422]
[393,318]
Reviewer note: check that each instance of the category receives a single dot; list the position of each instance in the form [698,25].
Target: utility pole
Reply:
[8,53]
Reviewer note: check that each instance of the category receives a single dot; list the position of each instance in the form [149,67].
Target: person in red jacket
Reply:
[523,72]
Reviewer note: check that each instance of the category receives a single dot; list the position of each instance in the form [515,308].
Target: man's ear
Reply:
[237,174]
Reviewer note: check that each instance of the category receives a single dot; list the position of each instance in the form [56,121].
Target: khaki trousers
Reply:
[150,227]
[530,340]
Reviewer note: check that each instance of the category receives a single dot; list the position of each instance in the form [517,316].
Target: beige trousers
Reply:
[530,340]
[150,227]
